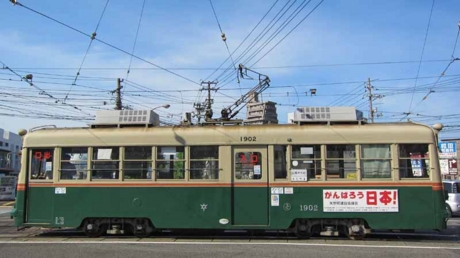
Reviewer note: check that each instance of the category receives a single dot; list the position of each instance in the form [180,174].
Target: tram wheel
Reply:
[302,230]
[359,236]
[141,228]
[93,228]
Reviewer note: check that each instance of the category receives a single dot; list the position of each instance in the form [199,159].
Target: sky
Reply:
[171,47]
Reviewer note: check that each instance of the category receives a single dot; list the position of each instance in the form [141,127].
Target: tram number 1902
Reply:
[310,207]
[248,138]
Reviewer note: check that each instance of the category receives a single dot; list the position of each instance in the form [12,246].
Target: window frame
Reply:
[354,159]
[151,160]
[425,158]
[61,161]
[184,160]
[95,161]
[317,177]
[389,159]
[30,162]
[216,159]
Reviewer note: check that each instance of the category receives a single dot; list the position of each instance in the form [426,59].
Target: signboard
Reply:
[444,166]
[447,150]
[360,200]
[299,175]
[452,166]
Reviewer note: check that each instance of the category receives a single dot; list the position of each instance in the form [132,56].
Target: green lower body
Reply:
[420,208]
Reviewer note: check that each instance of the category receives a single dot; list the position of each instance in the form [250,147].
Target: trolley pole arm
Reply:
[228,113]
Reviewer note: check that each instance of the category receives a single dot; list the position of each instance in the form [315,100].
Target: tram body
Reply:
[314,178]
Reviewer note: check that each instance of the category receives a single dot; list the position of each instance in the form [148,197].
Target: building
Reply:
[10,146]
[260,112]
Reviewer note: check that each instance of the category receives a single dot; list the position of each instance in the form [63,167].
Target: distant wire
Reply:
[93,36]
[421,56]
[135,42]
[289,19]
[443,72]
[107,44]
[456,40]
[42,92]
[259,37]
[219,68]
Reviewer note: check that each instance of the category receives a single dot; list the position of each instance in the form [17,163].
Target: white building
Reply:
[10,146]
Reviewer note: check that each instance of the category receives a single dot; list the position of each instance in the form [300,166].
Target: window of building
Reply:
[375,161]
[248,165]
[280,162]
[204,162]
[74,164]
[41,164]
[170,162]
[7,144]
[307,157]
[106,163]
[413,161]
[137,163]
[341,161]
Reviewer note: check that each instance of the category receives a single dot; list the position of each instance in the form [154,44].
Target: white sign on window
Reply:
[168,151]
[299,175]
[369,200]
[256,169]
[306,150]
[104,153]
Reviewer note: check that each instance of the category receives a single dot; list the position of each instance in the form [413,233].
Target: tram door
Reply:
[250,186]
[39,206]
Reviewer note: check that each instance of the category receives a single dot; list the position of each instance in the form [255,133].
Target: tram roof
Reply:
[406,132]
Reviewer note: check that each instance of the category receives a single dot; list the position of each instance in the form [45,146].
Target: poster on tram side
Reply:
[361,200]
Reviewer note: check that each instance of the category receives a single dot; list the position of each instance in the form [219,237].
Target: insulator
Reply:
[223,37]
[93,36]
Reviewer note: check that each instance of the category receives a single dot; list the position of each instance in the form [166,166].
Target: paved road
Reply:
[67,243]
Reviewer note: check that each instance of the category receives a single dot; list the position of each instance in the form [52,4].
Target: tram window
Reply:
[204,162]
[307,157]
[413,161]
[41,164]
[74,163]
[248,165]
[105,163]
[137,163]
[170,162]
[280,162]
[341,161]
[375,161]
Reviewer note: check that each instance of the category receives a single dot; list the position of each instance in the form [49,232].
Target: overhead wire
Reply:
[224,38]
[421,55]
[93,36]
[135,42]
[300,22]
[242,42]
[106,43]
[42,92]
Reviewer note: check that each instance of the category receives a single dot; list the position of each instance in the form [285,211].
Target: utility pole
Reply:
[209,101]
[372,97]
[118,104]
